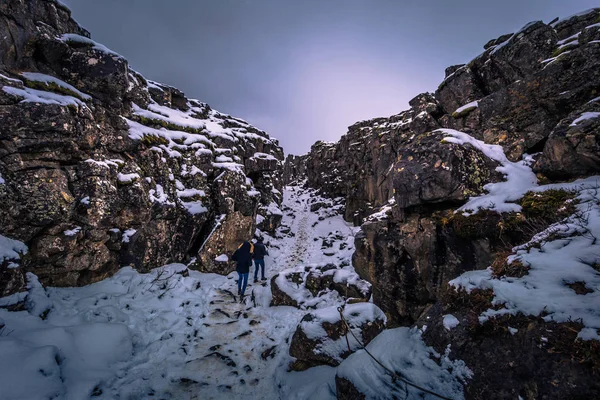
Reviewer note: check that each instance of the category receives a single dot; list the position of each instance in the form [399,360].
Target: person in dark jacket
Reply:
[260,251]
[243,257]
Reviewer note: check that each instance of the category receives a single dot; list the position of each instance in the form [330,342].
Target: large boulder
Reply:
[573,147]
[428,171]
[320,338]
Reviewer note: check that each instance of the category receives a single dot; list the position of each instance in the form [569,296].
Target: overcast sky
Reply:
[305,70]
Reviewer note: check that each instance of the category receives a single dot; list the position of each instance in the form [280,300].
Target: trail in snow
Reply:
[165,335]
[180,334]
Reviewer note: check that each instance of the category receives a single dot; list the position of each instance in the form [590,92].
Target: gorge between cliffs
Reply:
[448,251]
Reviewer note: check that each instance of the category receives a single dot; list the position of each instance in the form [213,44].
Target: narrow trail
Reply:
[244,343]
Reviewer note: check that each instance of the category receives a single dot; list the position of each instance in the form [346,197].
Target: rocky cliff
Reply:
[100,167]
[527,105]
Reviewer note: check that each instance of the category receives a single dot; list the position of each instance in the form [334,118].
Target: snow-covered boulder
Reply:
[313,286]
[401,350]
[320,338]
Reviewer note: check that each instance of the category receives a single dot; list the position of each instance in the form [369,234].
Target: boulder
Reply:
[429,171]
[573,147]
[320,338]
[311,286]
[402,351]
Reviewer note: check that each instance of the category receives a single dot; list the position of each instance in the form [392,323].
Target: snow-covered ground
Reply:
[180,334]
[163,334]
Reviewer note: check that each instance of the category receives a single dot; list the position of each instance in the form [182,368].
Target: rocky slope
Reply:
[536,92]
[100,167]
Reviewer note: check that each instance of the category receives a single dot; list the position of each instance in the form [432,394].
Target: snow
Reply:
[127,178]
[222,258]
[450,322]
[585,116]
[512,330]
[106,163]
[519,177]
[154,85]
[356,315]
[501,45]
[223,159]
[468,106]
[273,209]
[73,37]
[194,207]
[116,337]
[549,61]
[128,234]
[183,193]
[230,166]
[72,232]
[253,192]
[11,249]
[569,39]
[384,211]
[588,334]
[10,79]
[43,97]
[564,253]
[594,100]
[2,181]
[264,156]
[402,350]
[85,200]
[158,195]
[37,77]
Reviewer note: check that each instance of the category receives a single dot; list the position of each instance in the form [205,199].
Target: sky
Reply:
[305,70]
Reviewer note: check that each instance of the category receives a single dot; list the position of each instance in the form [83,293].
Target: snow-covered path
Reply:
[173,333]
[245,344]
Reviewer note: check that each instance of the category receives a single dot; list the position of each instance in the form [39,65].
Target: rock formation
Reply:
[100,167]
[531,92]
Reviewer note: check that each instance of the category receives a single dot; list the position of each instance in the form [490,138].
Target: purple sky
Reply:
[305,70]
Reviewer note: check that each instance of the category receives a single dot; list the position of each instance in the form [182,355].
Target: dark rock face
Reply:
[573,148]
[100,167]
[515,355]
[320,336]
[294,169]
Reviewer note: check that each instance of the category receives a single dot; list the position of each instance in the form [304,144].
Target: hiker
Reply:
[260,251]
[243,257]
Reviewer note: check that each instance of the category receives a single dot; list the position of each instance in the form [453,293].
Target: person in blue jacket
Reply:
[260,251]
[243,257]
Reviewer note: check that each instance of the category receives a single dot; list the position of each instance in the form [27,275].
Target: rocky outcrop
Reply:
[522,354]
[320,338]
[308,286]
[100,167]
[534,91]
[294,169]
